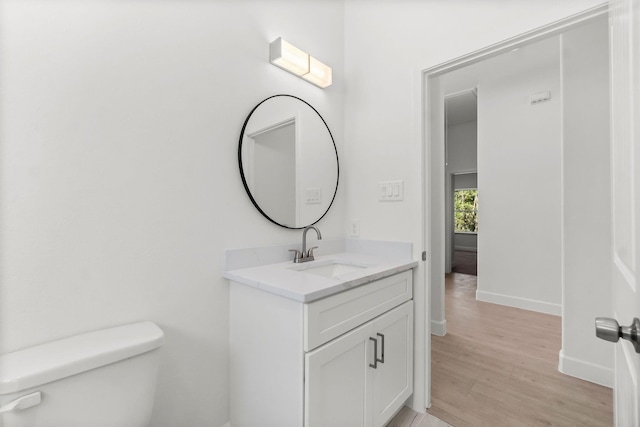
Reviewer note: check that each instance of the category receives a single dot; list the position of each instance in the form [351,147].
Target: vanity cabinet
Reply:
[314,364]
[364,376]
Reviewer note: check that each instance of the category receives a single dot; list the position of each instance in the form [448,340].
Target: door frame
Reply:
[433,205]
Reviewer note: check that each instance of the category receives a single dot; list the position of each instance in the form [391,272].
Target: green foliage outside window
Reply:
[465,205]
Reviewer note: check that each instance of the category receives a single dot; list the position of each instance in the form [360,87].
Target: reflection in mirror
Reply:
[288,161]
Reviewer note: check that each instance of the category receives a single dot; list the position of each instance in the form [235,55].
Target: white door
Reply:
[625,131]
[337,381]
[393,376]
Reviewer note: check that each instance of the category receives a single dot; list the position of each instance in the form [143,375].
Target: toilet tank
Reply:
[104,378]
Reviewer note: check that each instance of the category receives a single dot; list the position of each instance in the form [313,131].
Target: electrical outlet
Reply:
[354,228]
[313,196]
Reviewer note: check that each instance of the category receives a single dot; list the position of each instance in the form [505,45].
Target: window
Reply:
[465,210]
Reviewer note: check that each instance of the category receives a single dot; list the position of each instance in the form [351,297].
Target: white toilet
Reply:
[104,378]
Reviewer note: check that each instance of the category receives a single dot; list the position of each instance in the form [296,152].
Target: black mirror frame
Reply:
[244,181]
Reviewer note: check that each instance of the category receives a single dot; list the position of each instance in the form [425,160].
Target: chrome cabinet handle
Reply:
[374,365]
[382,339]
[610,330]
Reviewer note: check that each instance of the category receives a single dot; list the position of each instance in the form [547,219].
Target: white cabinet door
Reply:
[393,379]
[343,389]
[337,390]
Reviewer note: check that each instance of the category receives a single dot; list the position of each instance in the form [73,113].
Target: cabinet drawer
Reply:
[331,317]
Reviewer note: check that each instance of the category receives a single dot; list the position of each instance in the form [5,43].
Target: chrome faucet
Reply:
[305,255]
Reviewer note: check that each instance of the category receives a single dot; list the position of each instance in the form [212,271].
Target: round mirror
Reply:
[288,161]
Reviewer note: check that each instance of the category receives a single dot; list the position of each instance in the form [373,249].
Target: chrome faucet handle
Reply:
[310,252]
[297,255]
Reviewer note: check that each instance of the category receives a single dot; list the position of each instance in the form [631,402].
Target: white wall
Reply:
[388,43]
[383,99]
[587,203]
[462,150]
[119,185]
[274,173]
[519,148]
[465,242]
[465,180]
[436,189]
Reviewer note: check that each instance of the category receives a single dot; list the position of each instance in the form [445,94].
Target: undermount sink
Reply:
[331,268]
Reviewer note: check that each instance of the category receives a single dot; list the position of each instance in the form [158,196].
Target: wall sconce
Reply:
[288,57]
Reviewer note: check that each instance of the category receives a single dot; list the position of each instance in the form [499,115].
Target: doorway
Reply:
[461,185]
[533,163]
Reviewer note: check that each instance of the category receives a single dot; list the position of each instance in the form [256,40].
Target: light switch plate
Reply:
[537,98]
[391,191]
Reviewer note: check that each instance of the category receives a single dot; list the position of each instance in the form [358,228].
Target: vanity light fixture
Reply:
[319,73]
[296,61]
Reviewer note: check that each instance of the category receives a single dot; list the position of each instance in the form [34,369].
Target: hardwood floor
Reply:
[498,366]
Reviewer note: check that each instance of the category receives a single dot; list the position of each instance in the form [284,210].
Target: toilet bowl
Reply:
[105,378]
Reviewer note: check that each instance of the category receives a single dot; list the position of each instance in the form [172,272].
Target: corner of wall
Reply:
[587,371]
[518,302]
[439,327]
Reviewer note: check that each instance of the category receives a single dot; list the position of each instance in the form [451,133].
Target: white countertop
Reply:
[285,279]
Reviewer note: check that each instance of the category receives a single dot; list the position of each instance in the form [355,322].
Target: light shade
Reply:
[288,57]
[296,61]
[319,73]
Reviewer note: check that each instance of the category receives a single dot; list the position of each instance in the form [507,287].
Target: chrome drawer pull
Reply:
[382,338]
[374,365]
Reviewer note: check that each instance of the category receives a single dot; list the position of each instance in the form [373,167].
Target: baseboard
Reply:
[466,249]
[439,328]
[524,303]
[585,370]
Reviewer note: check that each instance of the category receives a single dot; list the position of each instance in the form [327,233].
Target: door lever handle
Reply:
[610,330]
